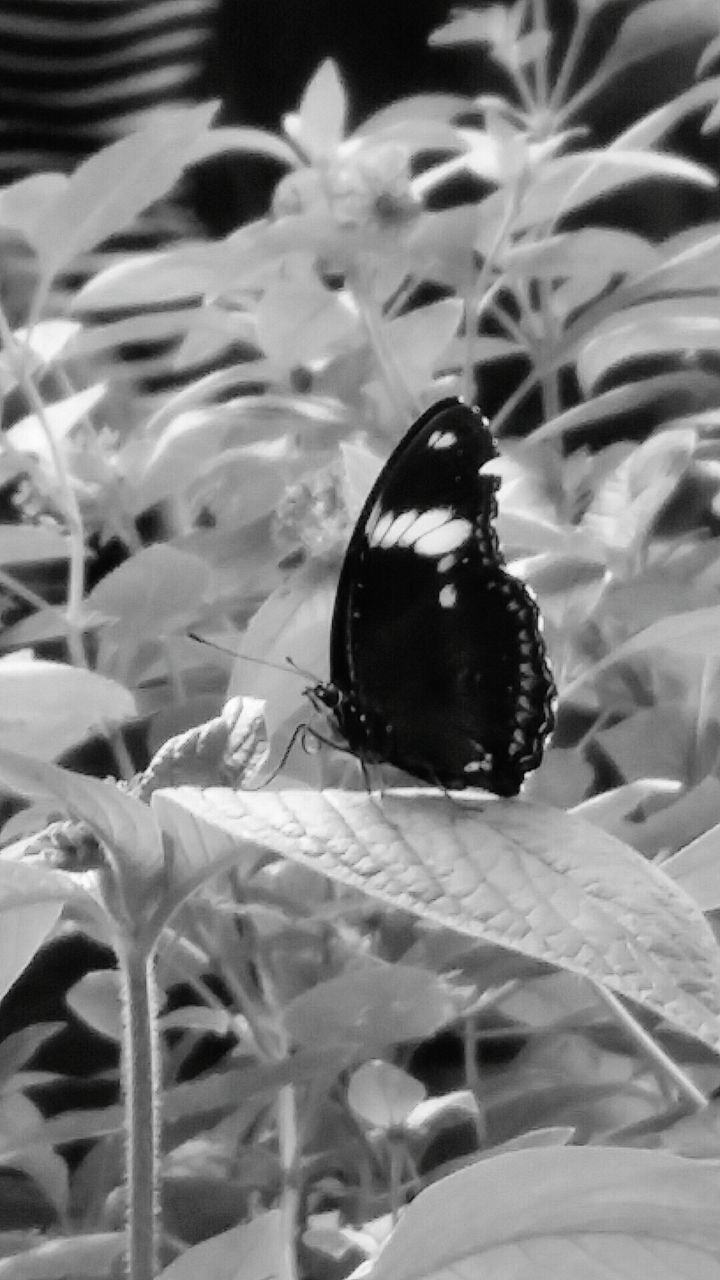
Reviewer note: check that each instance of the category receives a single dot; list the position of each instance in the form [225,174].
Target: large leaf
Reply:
[574,1213]
[77,1255]
[372,1006]
[608,406]
[520,875]
[31,543]
[31,899]
[649,329]
[23,932]
[48,707]
[146,279]
[107,191]
[124,824]
[299,321]
[651,29]
[155,592]
[568,182]
[249,1252]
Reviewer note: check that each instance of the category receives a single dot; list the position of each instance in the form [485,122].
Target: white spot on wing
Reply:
[376,530]
[445,538]
[447,597]
[432,533]
[429,521]
[372,520]
[390,529]
[442,440]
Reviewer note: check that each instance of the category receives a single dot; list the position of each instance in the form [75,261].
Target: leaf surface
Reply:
[523,876]
[573,1213]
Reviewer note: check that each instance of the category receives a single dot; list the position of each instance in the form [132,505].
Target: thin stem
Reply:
[550,385]
[15,588]
[123,759]
[540,24]
[570,61]
[141,1091]
[472,1076]
[514,400]
[287,1122]
[400,393]
[485,292]
[660,1062]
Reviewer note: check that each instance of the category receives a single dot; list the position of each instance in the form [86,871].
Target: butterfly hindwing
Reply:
[437,660]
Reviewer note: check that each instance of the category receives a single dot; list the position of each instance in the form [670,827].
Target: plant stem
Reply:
[660,1062]
[141,1092]
[569,63]
[540,24]
[287,1123]
[397,386]
[15,588]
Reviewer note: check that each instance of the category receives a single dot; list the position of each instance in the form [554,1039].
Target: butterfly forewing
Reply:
[437,660]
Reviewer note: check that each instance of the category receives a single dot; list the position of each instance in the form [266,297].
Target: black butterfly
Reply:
[437,661]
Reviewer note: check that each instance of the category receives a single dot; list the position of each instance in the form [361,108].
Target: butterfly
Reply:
[437,659]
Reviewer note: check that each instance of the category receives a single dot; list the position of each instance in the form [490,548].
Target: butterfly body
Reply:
[437,662]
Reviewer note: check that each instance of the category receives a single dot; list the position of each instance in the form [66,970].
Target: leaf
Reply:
[696,868]
[571,181]
[19,1047]
[48,707]
[28,544]
[166,326]
[599,252]
[107,191]
[200,849]
[372,1007]
[652,743]
[145,279]
[40,346]
[608,406]
[319,125]
[292,623]
[417,341]
[43,1165]
[688,260]
[248,1252]
[383,1095]
[695,633]
[649,329]
[79,1255]
[229,138]
[573,1213]
[24,929]
[632,494]
[96,999]
[651,29]
[24,204]
[28,435]
[657,124]
[154,593]
[124,824]
[519,875]
[614,810]
[301,321]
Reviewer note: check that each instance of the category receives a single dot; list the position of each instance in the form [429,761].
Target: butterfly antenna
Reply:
[300,729]
[306,675]
[262,662]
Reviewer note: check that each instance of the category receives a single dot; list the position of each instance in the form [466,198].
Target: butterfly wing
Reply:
[436,650]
